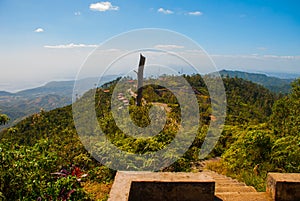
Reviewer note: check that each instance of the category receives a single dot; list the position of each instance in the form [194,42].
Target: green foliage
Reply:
[21,107]
[65,188]
[247,103]
[102,174]
[36,147]
[285,122]
[25,170]
[252,179]
[256,136]
[3,119]
[285,119]
[252,147]
[285,154]
[229,135]
[272,146]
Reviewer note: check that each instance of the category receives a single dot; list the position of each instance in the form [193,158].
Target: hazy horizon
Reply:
[23,87]
[50,40]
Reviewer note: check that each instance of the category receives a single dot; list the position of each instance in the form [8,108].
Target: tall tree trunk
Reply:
[140,75]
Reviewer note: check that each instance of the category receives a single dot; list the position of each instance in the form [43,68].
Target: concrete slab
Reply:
[162,186]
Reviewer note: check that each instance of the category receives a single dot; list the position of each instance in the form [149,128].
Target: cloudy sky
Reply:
[50,39]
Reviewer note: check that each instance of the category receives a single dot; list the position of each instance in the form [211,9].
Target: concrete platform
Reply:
[201,186]
[162,186]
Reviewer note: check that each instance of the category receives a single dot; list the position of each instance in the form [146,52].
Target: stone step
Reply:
[219,177]
[214,174]
[229,183]
[229,188]
[243,196]
[224,184]
[224,179]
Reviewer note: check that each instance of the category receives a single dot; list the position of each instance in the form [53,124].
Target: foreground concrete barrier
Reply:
[202,186]
[162,186]
[284,186]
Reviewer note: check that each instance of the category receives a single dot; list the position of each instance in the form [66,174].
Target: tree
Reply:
[3,119]
[285,122]
[285,118]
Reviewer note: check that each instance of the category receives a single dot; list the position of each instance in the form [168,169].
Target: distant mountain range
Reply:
[59,93]
[275,84]
[53,95]
[5,93]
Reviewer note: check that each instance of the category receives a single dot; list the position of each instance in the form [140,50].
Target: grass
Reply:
[98,191]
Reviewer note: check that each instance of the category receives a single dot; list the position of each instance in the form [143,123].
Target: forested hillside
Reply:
[59,93]
[250,151]
[43,158]
[52,95]
[274,84]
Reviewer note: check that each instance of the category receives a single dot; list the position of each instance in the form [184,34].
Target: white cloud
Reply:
[258,57]
[165,11]
[39,30]
[69,46]
[77,13]
[103,6]
[168,46]
[288,57]
[195,13]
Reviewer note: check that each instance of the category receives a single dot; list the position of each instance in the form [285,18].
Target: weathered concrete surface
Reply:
[284,186]
[135,186]
[171,186]
[171,191]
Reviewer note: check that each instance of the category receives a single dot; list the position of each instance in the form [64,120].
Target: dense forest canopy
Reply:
[261,130]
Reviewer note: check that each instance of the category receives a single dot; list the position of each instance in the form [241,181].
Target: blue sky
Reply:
[252,35]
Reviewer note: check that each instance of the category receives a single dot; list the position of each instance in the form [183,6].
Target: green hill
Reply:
[59,93]
[52,95]
[274,84]
[4,93]
[47,142]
